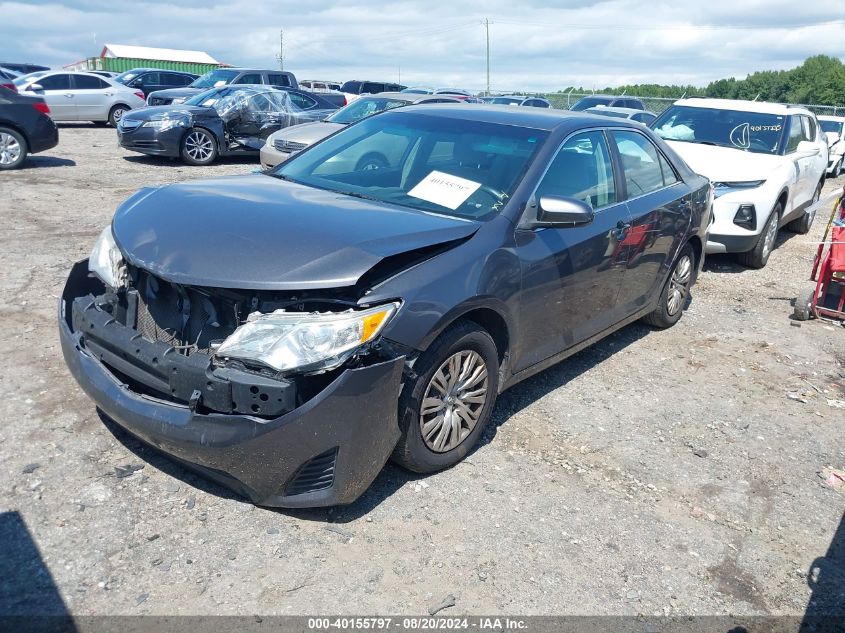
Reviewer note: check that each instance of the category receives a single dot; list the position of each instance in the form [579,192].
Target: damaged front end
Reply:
[148,352]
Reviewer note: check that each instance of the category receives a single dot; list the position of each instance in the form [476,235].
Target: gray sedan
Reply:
[640,116]
[282,144]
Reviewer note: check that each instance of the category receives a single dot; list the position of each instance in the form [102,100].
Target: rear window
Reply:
[278,79]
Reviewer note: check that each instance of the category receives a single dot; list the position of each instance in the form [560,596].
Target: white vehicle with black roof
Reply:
[767,163]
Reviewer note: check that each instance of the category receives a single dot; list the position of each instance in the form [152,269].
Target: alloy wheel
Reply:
[199,146]
[10,149]
[453,401]
[679,285]
[769,238]
[117,115]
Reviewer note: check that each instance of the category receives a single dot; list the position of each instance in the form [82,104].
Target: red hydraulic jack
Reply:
[827,299]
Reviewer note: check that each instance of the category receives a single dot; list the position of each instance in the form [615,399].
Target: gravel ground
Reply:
[658,472]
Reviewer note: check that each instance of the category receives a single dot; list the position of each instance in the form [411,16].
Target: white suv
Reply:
[833,127]
[766,161]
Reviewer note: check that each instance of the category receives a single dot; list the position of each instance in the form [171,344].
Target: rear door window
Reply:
[640,163]
[301,101]
[278,79]
[369,87]
[88,82]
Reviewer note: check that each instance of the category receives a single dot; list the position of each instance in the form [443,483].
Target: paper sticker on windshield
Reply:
[444,189]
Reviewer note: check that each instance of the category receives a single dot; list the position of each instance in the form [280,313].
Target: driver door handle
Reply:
[69,95]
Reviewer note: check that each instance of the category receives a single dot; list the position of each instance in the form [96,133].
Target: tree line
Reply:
[819,80]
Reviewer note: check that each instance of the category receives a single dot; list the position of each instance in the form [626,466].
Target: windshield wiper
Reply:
[355,194]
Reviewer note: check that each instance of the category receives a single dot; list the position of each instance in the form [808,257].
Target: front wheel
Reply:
[199,147]
[13,148]
[759,255]
[443,411]
[675,293]
[802,225]
[116,114]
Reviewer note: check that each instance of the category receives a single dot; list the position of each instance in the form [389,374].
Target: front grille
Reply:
[127,125]
[183,318]
[289,147]
[316,474]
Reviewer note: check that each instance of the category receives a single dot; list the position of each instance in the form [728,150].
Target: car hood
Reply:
[725,164]
[156,112]
[172,93]
[258,232]
[307,132]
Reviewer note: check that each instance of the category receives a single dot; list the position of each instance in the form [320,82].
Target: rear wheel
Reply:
[371,161]
[802,225]
[13,148]
[675,293]
[199,147]
[759,255]
[116,114]
[444,410]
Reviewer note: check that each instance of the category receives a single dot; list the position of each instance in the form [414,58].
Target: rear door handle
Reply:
[69,95]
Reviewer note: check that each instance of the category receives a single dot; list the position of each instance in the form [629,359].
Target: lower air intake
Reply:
[316,474]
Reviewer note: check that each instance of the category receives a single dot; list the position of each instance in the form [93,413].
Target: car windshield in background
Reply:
[750,131]
[214,78]
[831,126]
[454,167]
[362,108]
[26,79]
[506,101]
[606,112]
[589,102]
[230,99]
[126,77]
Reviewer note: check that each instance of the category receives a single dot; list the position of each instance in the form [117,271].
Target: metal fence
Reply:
[564,100]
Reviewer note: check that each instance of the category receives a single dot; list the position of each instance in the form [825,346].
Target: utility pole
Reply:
[281,55]
[487,29]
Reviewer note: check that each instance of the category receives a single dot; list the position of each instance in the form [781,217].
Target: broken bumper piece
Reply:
[323,452]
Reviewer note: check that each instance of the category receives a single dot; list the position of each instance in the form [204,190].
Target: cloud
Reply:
[535,45]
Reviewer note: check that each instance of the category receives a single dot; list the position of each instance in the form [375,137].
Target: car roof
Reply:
[628,111]
[410,97]
[537,118]
[742,105]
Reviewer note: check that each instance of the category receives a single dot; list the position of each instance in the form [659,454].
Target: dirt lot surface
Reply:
[659,472]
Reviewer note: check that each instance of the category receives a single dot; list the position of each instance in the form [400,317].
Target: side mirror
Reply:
[36,87]
[808,148]
[560,211]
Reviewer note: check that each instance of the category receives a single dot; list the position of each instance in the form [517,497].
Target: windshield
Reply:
[750,131]
[506,101]
[25,79]
[832,126]
[214,78]
[606,112]
[460,168]
[364,107]
[589,102]
[128,76]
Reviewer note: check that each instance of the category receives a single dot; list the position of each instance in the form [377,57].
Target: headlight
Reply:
[179,100]
[163,125]
[310,342]
[105,260]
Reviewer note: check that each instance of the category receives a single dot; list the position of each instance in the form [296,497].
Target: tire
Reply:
[198,147]
[116,113]
[100,123]
[371,161]
[673,297]
[802,311]
[13,148]
[803,224]
[759,255]
[472,348]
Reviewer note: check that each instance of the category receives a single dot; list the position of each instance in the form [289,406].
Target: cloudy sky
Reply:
[535,44]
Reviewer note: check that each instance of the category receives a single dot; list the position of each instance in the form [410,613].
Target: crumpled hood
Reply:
[261,233]
[166,111]
[721,164]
